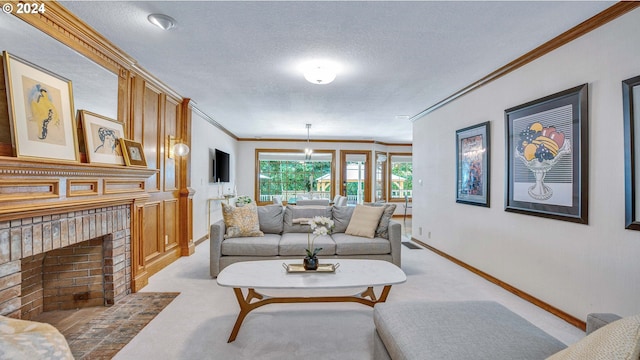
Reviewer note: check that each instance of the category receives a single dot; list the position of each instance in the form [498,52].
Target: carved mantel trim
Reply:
[33,188]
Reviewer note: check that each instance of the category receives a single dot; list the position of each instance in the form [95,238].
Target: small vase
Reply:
[310,263]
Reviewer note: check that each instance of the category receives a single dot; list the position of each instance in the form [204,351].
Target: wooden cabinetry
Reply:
[160,196]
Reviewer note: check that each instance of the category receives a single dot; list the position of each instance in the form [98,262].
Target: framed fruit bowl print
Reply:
[473,165]
[102,138]
[547,156]
[42,118]
[133,153]
[631,112]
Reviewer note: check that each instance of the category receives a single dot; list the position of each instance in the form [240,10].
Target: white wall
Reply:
[576,268]
[205,138]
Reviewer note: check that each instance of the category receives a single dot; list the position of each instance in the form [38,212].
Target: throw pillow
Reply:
[270,218]
[341,217]
[383,227]
[364,221]
[241,221]
[616,341]
[295,217]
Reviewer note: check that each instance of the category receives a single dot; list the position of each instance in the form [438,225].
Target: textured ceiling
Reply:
[239,60]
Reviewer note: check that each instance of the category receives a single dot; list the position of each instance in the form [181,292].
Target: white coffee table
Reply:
[270,274]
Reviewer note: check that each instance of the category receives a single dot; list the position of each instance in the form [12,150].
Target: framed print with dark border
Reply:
[631,108]
[102,138]
[133,153]
[548,158]
[473,164]
[41,112]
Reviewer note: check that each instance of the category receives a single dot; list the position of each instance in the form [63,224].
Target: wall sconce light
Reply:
[381,158]
[177,148]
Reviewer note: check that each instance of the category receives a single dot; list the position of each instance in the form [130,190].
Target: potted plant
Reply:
[318,225]
[243,200]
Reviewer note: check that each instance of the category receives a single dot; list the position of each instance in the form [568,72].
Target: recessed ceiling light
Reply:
[162,21]
[402,117]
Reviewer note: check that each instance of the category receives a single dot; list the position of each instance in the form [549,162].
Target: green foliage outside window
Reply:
[404,181]
[285,176]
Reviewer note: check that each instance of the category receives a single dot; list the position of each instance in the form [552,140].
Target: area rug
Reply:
[411,245]
[109,331]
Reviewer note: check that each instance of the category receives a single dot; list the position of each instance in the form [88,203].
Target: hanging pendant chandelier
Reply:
[308,151]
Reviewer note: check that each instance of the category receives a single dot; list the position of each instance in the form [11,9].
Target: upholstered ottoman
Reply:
[457,330]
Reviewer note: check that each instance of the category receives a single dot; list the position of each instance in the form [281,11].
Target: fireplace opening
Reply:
[73,277]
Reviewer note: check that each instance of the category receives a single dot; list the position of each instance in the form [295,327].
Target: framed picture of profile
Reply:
[133,153]
[102,138]
[41,114]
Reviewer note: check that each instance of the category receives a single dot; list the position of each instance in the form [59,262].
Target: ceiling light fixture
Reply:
[162,21]
[320,74]
[308,151]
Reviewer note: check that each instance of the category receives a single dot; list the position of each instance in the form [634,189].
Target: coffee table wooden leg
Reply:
[245,308]
[385,293]
[369,292]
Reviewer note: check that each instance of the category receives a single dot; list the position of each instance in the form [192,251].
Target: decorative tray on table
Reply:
[322,268]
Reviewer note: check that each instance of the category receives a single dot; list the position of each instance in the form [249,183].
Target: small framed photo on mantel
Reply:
[101,137]
[133,153]
[473,164]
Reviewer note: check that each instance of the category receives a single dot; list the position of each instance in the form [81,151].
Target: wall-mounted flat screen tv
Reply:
[221,166]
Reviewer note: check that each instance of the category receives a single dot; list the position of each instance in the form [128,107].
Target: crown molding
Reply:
[325,141]
[577,31]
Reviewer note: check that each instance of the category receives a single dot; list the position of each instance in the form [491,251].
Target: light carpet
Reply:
[197,324]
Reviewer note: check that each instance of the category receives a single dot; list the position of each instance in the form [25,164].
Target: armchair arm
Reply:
[216,236]
[395,238]
[597,320]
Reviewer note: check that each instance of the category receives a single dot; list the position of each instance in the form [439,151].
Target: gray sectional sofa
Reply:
[286,238]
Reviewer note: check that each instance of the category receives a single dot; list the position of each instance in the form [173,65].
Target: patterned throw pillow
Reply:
[616,341]
[241,221]
[383,227]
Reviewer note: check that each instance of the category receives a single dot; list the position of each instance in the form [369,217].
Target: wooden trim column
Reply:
[185,229]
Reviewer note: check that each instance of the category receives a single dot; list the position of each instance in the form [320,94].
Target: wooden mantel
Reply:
[34,188]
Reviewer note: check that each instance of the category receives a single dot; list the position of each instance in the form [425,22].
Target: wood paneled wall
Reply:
[150,112]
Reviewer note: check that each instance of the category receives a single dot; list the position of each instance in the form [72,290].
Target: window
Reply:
[355,176]
[400,176]
[286,173]
[381,177]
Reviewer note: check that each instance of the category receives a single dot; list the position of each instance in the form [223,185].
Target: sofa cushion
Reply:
[241,221]
[341,217]
[616,341]
[294,213]
[383,226]
[357,245]
[364,221]
[294,244]
[479,330]
[266,245]
[270,218]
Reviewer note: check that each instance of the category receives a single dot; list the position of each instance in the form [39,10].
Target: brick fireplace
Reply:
[69,234]
[65,261]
